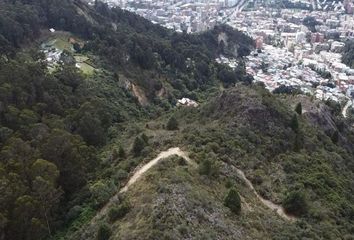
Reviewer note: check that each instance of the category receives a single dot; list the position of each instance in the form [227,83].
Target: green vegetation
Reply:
[298,108]
[121,152]
[104,232]
[138,146]
[172,124]
[233,201]
[208,167]
[118,212]
[294,124]
[295,203]
[311,23]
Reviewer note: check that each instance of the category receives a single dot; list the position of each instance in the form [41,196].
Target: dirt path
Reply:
[144,168]
[139,171]
[347,105]
[170,152]
[177,151]
[275,207]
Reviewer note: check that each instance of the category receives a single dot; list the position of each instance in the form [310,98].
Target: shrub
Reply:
[138,146]
[101,191]
[121,152]
[145,138]
[209,168]
[104,232]
[172,124]
[295,203]
[233,201]
[119,212]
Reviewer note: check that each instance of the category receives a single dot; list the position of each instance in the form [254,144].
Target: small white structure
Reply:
[187,102]
[52,30]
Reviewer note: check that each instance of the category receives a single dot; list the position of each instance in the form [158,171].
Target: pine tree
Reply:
[294,123]
[138,146]
[233,201]
[172,124]
[298,108]
[121,152]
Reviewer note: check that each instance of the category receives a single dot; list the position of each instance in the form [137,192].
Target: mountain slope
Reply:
[305,170]
[67,133]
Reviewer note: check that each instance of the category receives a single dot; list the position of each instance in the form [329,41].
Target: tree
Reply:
[77,47]
[121,152]
[45,188]
[145,138]
[295,203]
[138,146]
[25,213]
[119,212]
[172,124]
[299,142]
[335,137]
[298,108]
[311,23]
[233,201]
[3,222]
[67,58]
[209,168]
[72,156]
[101,191]
[48,197]
[294,124]
[227,77]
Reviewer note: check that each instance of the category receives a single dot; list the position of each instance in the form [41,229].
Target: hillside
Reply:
[301,167]
[76,83]
[88,105]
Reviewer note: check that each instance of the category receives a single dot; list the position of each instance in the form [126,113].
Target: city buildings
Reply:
[287,52]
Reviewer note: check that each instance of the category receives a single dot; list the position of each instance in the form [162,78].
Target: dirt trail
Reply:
[345,108]
[172,151]
[138,173]
[177,151]
[278,208]
[163,155]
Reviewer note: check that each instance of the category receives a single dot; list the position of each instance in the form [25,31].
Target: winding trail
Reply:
[275,207]
[163,155]
[170,152]
[177,151]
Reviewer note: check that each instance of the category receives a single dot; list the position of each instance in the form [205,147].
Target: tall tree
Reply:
[298,108]
[45,188]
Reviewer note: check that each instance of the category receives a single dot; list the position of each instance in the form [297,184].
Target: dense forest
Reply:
[54,125]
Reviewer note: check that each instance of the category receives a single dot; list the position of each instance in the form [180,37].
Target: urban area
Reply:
[299,44]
